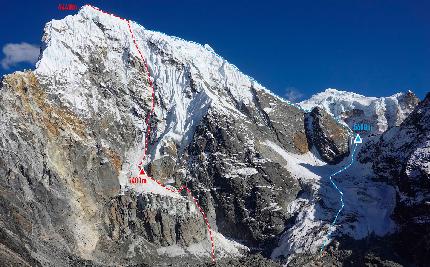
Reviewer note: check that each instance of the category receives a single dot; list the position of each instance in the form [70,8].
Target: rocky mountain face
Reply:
[74,131]
[401,156]
[331,141]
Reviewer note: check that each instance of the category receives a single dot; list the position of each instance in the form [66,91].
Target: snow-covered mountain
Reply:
[381,113]
[256,167]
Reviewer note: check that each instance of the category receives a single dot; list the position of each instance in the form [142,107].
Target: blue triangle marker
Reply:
[358,139]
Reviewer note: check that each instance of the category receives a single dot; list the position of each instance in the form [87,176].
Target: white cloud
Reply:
[16,53]
[293,94]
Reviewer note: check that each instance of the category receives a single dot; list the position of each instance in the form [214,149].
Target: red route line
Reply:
[148,131]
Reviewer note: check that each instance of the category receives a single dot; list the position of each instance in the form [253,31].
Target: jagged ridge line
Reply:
[252,79]
[140,166]
[341,196]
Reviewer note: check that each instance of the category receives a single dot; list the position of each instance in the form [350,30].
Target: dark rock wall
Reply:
[401,157]
[329,137]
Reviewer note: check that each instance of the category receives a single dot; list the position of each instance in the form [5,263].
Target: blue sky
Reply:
[295,48]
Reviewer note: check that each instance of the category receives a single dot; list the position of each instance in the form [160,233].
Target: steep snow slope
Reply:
[381,113]
[368,204]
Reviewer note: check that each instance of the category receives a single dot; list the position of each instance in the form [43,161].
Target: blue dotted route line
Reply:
[341,197]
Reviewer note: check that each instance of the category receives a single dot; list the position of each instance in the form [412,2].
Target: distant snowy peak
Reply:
[381,113]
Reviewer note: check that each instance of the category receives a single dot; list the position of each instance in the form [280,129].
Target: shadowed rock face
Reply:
[244,187]
[409,101]
[249,190]
[329,138]
[401,157]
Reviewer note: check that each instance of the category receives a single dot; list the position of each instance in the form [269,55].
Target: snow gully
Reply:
[340,192]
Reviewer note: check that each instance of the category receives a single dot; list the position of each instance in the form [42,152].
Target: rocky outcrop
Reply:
[245,182]
[160,220]
[330,139]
